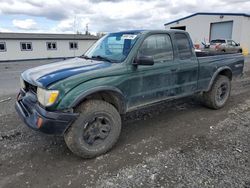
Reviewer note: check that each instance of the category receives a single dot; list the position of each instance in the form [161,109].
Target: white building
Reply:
[203,27]
[26,46]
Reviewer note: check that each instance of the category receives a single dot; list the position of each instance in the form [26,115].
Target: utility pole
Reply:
[74,35]
[87,29]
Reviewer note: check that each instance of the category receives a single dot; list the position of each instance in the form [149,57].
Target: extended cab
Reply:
[82,98]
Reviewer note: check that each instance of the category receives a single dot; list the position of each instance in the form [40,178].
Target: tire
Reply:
[219,93]
[95,131]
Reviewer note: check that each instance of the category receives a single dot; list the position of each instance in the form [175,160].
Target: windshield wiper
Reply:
[102,58]
[85,57]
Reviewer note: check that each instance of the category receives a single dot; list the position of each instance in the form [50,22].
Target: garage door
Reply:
[221,30]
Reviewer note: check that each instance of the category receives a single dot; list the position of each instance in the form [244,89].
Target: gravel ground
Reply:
[174,144]
[220,158]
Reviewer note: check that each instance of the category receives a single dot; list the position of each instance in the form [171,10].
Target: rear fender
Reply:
[218,72]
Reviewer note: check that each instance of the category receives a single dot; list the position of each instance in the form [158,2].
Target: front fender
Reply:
[79,93]
[95,90]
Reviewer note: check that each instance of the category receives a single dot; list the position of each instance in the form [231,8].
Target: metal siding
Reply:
[199,28]
[40,51]
[208,14]
[46,36]
[221,30]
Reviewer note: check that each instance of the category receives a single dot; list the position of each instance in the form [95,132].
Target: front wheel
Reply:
[95,131]
[218,95]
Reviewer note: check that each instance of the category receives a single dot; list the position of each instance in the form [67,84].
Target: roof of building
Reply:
[46,36]
[209,13]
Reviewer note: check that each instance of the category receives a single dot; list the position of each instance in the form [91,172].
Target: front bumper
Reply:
[37,118]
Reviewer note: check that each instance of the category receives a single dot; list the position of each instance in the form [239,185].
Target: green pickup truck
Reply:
[83,98]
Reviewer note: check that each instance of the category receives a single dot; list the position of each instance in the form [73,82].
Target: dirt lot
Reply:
[175,144]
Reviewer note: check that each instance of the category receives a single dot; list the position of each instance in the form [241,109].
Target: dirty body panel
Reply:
[210,66]
[176,71]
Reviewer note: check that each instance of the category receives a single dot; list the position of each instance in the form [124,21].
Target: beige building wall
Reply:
[40,51]
[245,35]
[199,27]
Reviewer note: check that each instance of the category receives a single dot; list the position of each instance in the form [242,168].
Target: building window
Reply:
[26,46]
[2,47]
[51,46]
[73,45]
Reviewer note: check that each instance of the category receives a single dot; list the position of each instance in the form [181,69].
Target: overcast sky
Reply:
[68,16]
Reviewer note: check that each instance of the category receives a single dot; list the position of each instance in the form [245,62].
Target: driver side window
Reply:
[159,47]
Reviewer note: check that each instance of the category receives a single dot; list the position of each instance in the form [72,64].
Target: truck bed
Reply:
[210,62]
[210,53]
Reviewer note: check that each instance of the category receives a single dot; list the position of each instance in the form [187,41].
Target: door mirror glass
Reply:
[144,60]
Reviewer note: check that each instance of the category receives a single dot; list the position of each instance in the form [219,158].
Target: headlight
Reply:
[22,83]
[47,97]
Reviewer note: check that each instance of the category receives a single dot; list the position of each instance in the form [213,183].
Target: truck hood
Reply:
[46,75]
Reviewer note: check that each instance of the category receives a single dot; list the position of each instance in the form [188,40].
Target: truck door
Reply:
[187,71]
[153,83]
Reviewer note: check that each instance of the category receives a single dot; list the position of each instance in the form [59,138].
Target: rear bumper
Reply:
[37,118]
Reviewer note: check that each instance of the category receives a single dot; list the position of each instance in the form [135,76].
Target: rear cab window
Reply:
[217,41]
[183,46]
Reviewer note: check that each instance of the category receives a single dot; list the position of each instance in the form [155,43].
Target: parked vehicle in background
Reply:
[82,98]
[225,45]
[205,45]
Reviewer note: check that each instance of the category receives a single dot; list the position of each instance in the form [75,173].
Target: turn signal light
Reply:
[39,122]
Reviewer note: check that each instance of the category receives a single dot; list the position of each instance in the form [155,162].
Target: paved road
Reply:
[177,144]
[10,73]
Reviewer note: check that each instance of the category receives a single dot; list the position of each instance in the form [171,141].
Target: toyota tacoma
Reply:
[83,98]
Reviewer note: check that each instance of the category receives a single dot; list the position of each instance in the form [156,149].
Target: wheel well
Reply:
[111,97]
[227,73]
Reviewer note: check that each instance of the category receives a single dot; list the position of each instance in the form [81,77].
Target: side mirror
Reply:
[144,60]
[238,44]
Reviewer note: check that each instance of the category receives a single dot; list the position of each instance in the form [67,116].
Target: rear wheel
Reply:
[219,93]
[95,131]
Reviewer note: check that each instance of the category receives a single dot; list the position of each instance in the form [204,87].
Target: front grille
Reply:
[30,87]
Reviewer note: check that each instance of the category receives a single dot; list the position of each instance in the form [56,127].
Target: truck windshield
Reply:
[113,47]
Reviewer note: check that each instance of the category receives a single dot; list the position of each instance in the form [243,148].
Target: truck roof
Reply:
[152,31]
